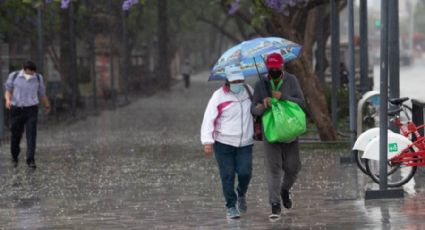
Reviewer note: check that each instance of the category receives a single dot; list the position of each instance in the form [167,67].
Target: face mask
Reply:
[236,88]
[274,74]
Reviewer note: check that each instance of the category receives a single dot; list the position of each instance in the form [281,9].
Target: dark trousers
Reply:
[233,160]
[282,163]
[186,78]
[24,118]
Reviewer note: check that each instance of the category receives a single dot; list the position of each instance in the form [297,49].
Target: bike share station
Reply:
[402,153]
[367,145]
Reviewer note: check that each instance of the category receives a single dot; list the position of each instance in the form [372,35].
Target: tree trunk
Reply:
[300,27]
[315,98]
[310,83]
[309,34]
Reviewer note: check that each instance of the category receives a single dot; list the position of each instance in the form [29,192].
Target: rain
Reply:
[124,151]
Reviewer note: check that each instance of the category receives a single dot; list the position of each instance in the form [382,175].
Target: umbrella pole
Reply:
[256,67]
[259,78]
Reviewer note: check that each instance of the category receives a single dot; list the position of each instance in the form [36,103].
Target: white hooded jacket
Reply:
[228,119]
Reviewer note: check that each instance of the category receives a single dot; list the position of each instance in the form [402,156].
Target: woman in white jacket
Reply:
[227,129]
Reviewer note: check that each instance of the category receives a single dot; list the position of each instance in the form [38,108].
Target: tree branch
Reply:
[244,16]
[241,28]
[219,28]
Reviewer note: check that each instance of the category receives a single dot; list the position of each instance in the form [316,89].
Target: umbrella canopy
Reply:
[250,56]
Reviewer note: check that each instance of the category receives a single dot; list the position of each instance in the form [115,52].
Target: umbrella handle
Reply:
[259,77]
[256,67]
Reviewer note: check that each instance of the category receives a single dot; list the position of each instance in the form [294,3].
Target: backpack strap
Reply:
[249,92]
[15,75]
[38,78]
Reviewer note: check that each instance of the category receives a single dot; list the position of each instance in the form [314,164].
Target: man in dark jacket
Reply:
[282,160]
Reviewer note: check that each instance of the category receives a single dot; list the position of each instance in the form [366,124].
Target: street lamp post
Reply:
[364,51]
[383,117]
[387,7]
[125,63]
[352,74]
[394,55]
[92,52]
[111,60]
[1,92]
[73,69]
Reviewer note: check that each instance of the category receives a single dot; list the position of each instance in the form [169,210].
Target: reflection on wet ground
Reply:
[141,167]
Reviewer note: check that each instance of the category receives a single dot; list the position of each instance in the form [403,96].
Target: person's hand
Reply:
[259,106]
[267,102]
[8,104]
[47,109]
[276,94]
[208,150]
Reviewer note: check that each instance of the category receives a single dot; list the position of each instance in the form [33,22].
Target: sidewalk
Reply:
[141,167]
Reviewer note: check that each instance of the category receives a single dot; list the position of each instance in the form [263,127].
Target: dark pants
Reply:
[24,118]
[282,163]
[233,160]
[186,78]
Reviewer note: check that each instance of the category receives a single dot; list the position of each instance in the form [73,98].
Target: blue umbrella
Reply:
[250,56]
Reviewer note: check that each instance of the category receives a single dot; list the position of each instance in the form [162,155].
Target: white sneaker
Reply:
[232,213]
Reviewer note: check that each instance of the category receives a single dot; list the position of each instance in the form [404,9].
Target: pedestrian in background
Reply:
[186,72]
[282,160]
[343,74]
[24,89]
[227,129]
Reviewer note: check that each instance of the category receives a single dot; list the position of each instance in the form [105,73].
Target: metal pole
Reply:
[335,60]
[383,117]
[351,72]
[73,68]
[1,94]
[364,51]
[111,73]
[93,66]
[111,61]
[125,62]
[4,70]
[40,39]
[394,54]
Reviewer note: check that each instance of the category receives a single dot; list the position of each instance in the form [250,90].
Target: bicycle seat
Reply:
[398,101]
[394,112]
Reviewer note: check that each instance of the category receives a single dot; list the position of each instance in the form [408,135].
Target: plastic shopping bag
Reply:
[284,121]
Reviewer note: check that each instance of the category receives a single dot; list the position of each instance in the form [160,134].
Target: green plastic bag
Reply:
[284,121]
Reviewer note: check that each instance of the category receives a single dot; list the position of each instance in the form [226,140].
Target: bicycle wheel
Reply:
[360,161]
[397,175]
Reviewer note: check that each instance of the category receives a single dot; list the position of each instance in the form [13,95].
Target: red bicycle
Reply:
[403,165]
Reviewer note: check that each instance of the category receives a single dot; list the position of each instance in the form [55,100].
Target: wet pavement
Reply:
[142,167]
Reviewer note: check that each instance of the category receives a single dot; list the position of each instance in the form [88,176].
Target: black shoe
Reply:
[275,211]
[15,161]
[286,199]
[31,164]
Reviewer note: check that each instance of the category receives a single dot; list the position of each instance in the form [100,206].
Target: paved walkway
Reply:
[141,167]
